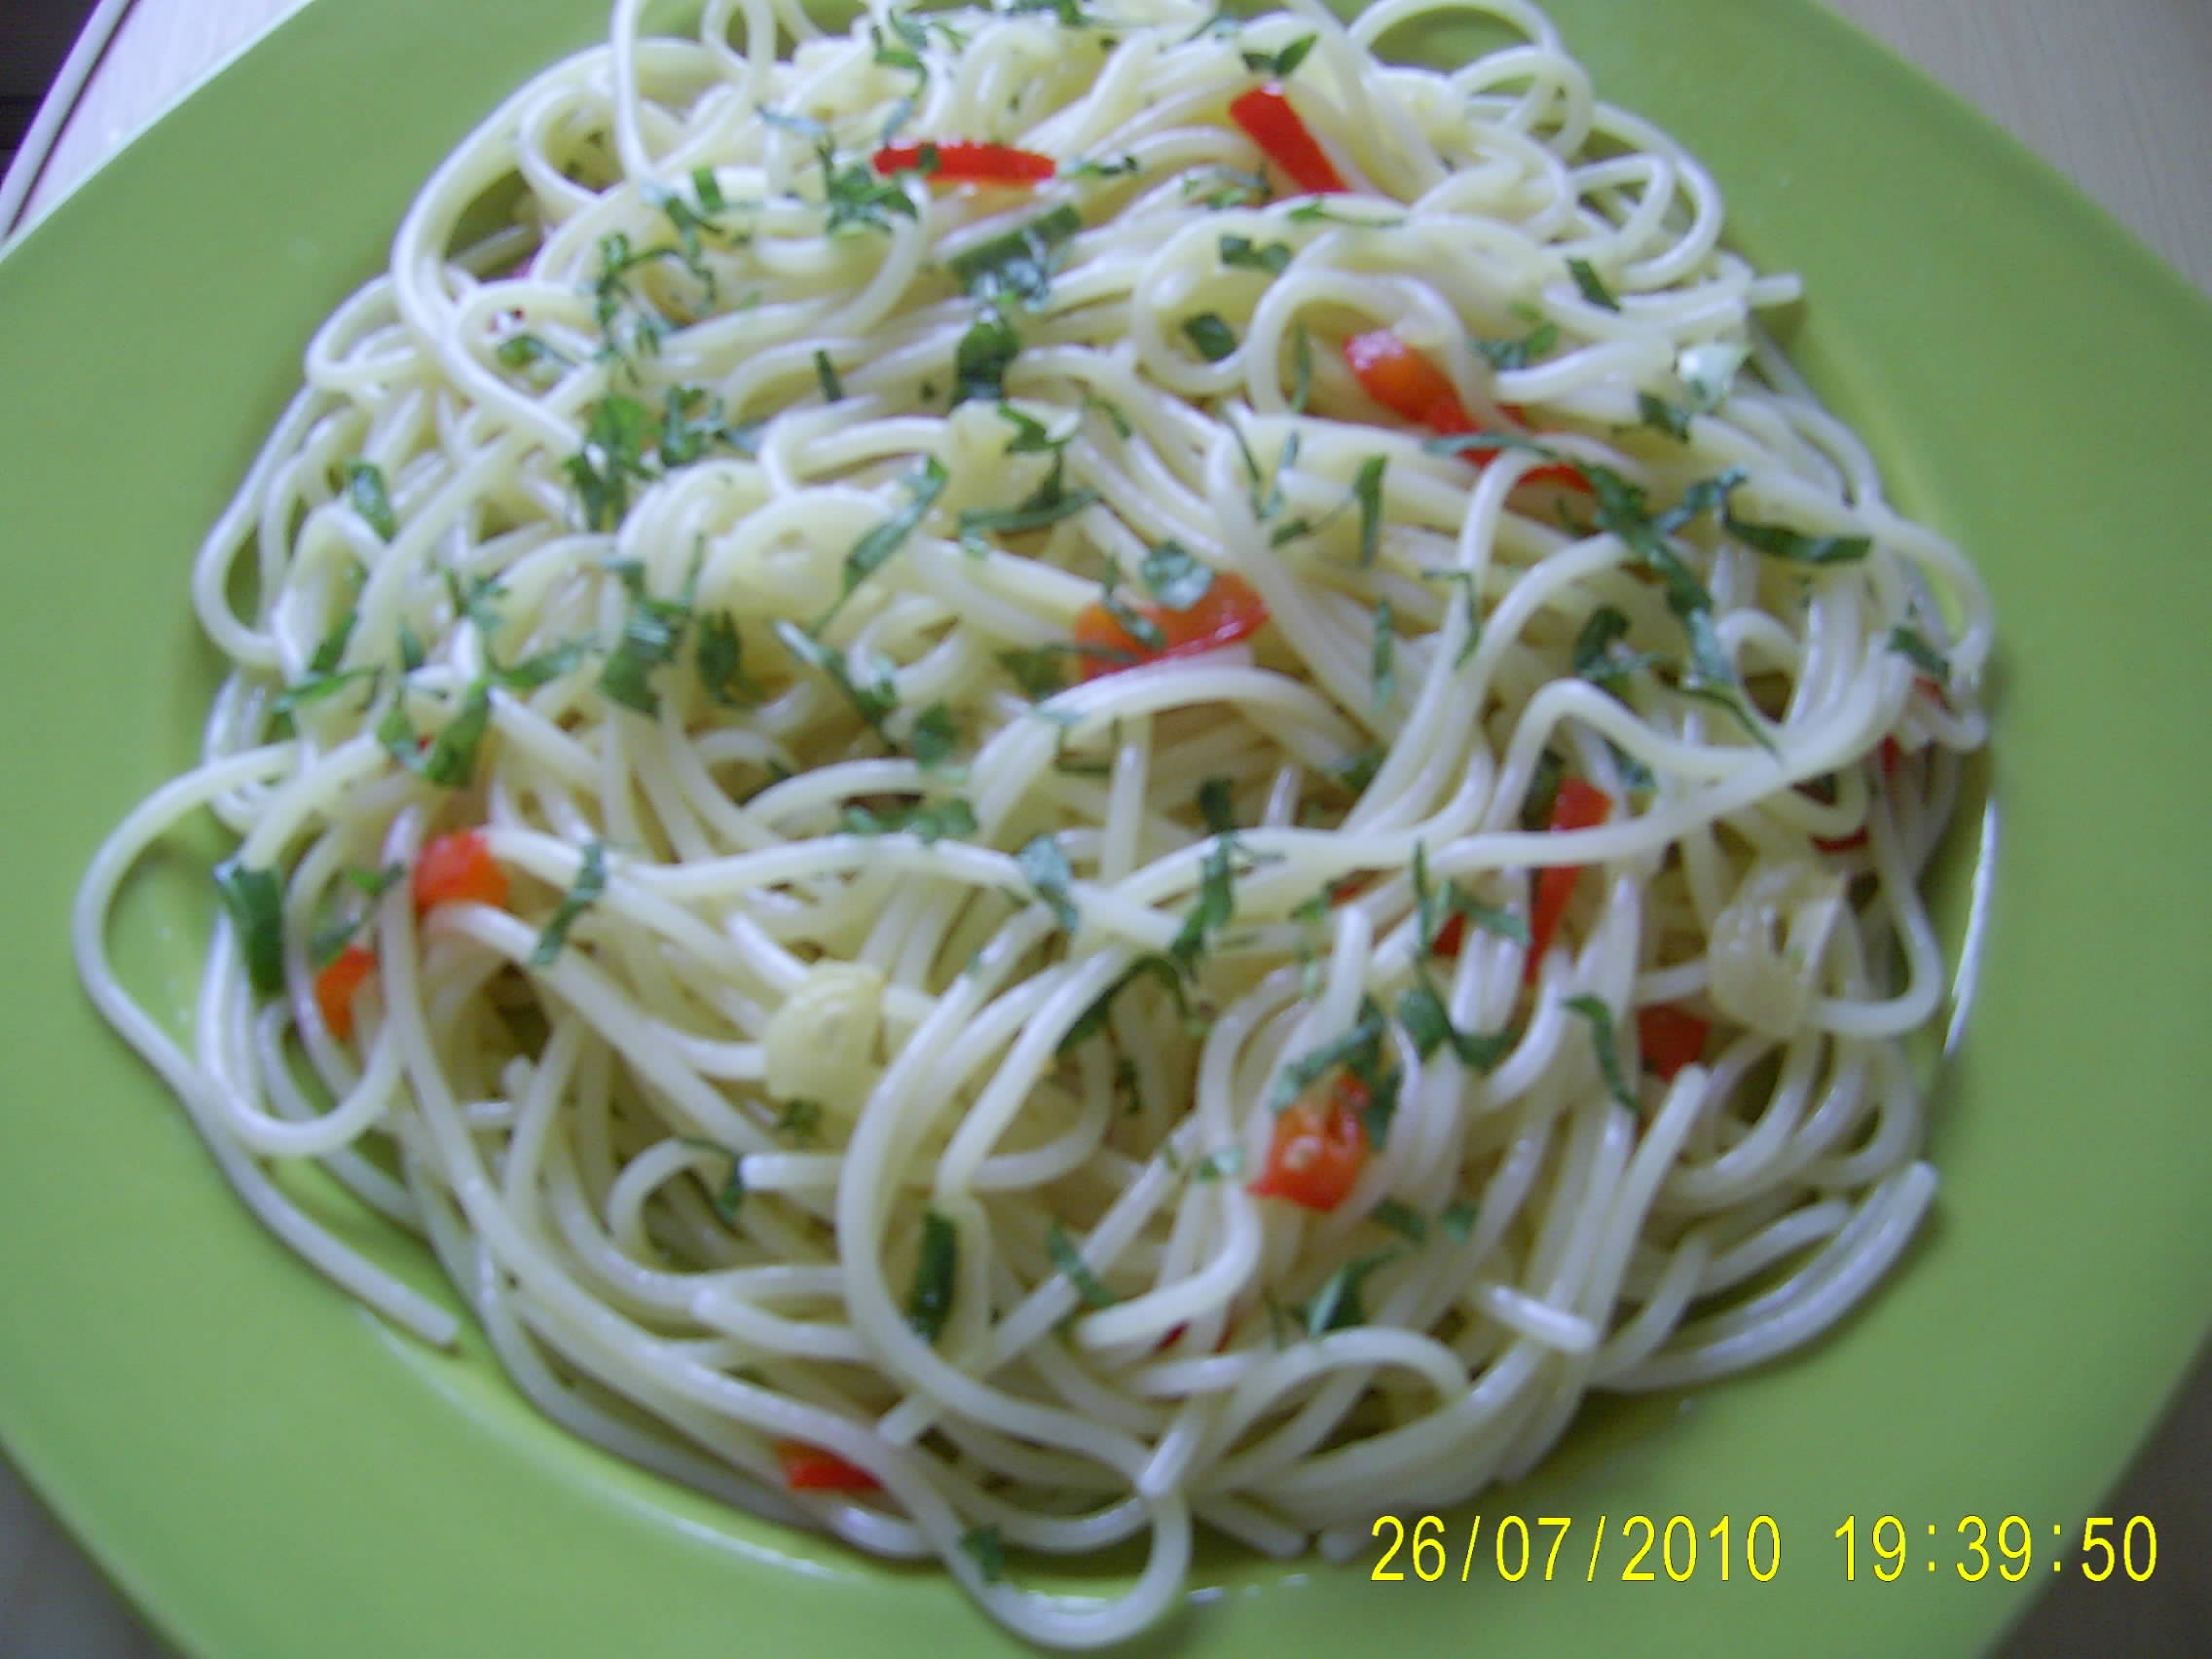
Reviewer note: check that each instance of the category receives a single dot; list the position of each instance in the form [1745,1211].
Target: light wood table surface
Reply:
[2116,94]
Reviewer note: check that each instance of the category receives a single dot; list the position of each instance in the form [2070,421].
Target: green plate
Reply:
[272,1473]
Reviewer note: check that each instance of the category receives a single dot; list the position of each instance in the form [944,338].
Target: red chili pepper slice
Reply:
[1579,805]
[335,985]
[814,1468]
[1409,386]
[1228,612]
[1319,1149]
[964,160]
[457,868]
[1285,140]
[1669,1038]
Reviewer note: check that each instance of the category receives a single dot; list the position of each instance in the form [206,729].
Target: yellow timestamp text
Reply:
[1643,1549]
[2110,1547]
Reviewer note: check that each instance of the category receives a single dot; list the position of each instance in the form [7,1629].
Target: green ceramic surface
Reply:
[274,1474]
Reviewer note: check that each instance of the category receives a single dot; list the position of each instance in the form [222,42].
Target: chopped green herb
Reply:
[873,693]
[1243,253]
[1916,649]
[1434,905]
[318,686]
[1594,658]
[1022,262]
[1280,65]
[1223,1165]
[365,495]
[1112,413]
[1502,354]
[1216,905]
[981,359]
[1663,417]
[1794,545]
[1131,621]
[334,937]
[932,821]
[1047,504]
[856,196]
[934,737]
[256,904]
[1422,1012]
[1633,773]
[613,453]
[1030,436]
[984,1544]
[1367,491]
[1239,189]
[451,760]
[924,484]
[1217,805]
[1175,579]
[1600,1018]
[1381,662]
[1315,212]
[1092,1019]
[1401,1218]
[1068,12]
[706,188]
[1037,670]
[1358,1049]
[1592,289]
[652,633]
[800,1121]
[1070,1262]
[930,1301]
[582,895]
[1125,1086]
[611,298]
[1471,601]
[1707,495]
[1356,771]
[720,662]
[1459,1219]
[532,672]
[1046,867]
[1622,510]
[1210,336]
[907,57]
[474,601]
[826,371]
[729,1198]
[527,350]
[1337,1305]
[691,232]
[1543,790]
[1098,169]
[410,654]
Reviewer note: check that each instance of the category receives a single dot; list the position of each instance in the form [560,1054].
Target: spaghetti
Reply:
[1036,775]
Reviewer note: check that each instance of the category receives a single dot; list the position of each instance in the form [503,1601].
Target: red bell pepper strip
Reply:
[335,985]
[814,1468]
[964,160]
[457,868]
[1285,140]
[1669,1038]
[1227,611]
[1319,1149]
[1409,386]
[1579,806]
